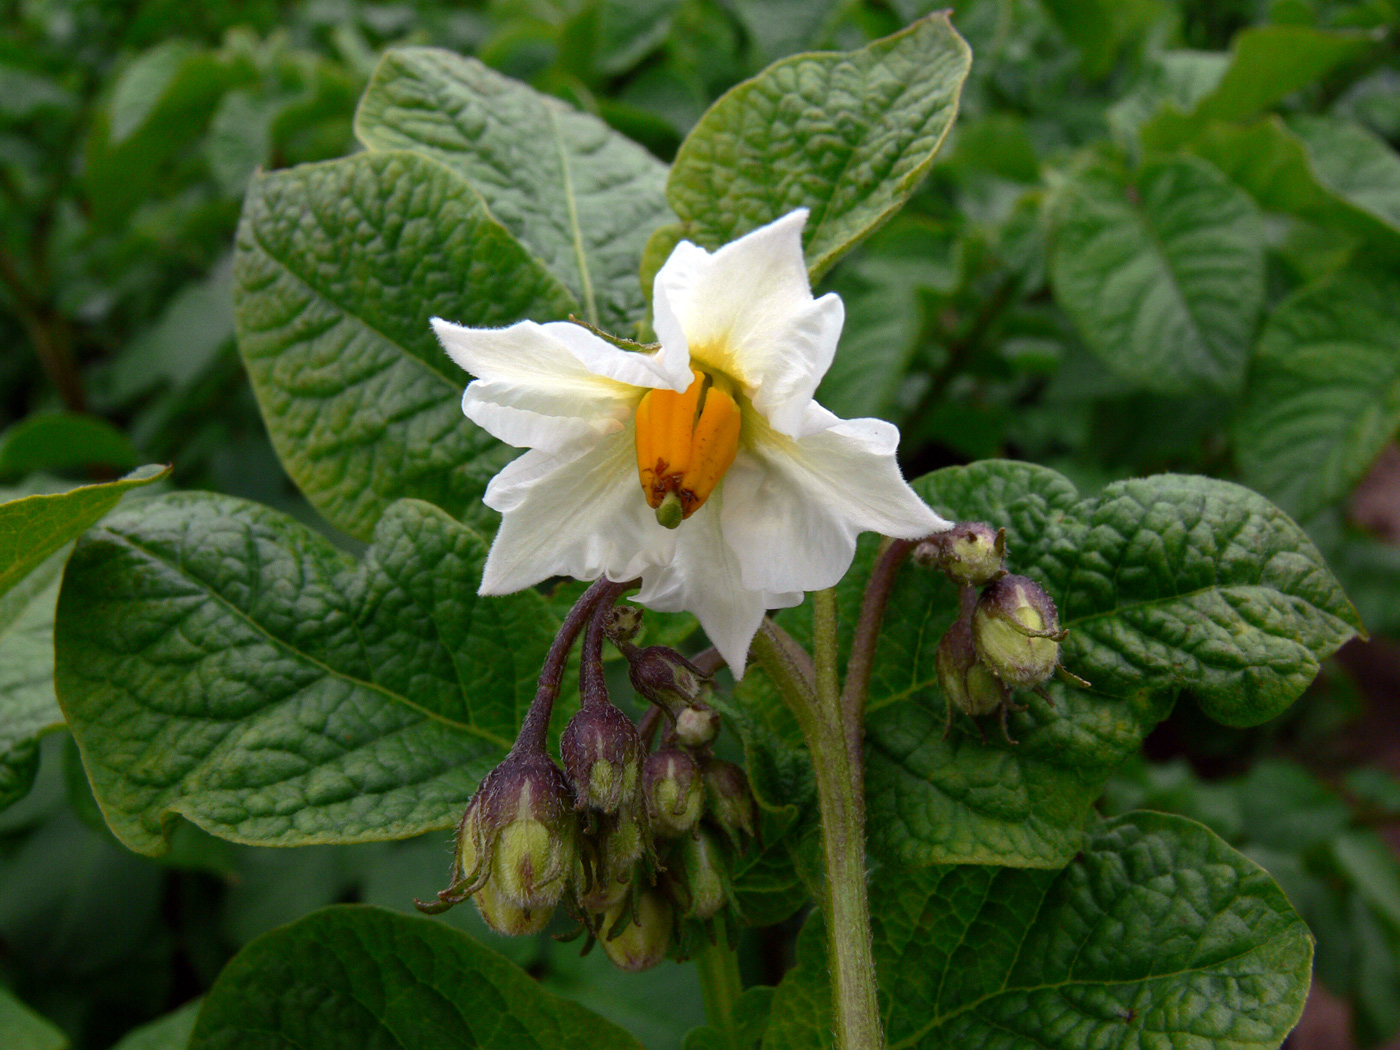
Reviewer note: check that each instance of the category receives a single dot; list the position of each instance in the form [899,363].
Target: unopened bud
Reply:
[964,679]
[1017,631]
[607,859]
[636,933]
[603,755]
[667,679]
[697,726]
[970,553]
[704,874]
[622,623]
[507,917]
[675,791]
[729,801]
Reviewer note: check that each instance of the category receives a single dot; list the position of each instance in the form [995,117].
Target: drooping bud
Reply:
[603,755]
[1016,630]
[970,553]
[622,623]
[697,726]
[636,932]
[701,888]
[516,845]
[966,683]
[675,792]
[608,858]
[728,800]
[667,679]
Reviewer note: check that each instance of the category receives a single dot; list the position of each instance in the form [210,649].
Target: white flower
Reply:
[717,427]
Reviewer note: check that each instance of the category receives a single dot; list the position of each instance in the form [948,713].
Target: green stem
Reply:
[837,763]
[720,985]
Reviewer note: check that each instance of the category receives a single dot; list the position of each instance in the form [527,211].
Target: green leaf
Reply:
[1324,393]
[1158,934]
[49,441]
[22,1029]
[1100,28]
[1164,278]
[28,707]
[1267,64]
[339,268]
[1354,164]
[1285,173]
[34,527]
[219,661]
[579,196]
[780,27]
[171,1032]
[848,135]
[358,977]
[1165,583]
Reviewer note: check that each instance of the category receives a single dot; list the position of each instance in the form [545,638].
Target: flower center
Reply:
[685,444]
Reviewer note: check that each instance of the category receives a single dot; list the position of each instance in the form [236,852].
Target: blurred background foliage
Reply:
[128,133]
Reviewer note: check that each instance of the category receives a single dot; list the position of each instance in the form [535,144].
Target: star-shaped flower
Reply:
[705,467]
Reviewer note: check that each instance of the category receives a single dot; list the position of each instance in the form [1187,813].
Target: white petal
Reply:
[793,509]
[669,367]
[747,310]
[579,513]
[704,578]
[531,418]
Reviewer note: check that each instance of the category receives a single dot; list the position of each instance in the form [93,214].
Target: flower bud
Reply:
[675,792]
[729,801]
[608,857]
[970,553]
[505,916]
[622,623]
[703,876]
[1017,631]
[667,678]
[603,754]
[697,726]
[965,680]
[636,933]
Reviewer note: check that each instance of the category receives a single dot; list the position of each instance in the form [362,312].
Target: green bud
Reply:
[697,726]
[675,792]
[608,857]
[1016,630]
[704,874]
[507,917]
[603,755]
[636,932]
[622,623]
[964,679]
[728,800]
[970,553]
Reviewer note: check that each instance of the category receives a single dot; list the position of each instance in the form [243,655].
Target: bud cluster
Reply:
[1007,635]
[633,840]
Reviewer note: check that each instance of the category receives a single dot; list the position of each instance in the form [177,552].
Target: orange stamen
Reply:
[686,443]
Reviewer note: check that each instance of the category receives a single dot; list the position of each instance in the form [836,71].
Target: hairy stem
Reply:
[872,615]
[536,725]
[810,688]
[718,966]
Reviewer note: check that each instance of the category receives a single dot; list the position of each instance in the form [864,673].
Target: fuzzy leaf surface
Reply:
[1167,583]
[847,134]
[1164,278]
[1159,934]
[357,978]
[339,267]
[219,661]
[1324,393]
[580,197]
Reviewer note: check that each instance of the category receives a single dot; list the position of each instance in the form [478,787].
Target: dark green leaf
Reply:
[579,196]
[1355,165]
[780,27]
[49,441]
[1324,393]
[339,268]
[1159,933]
[1164,278]
[848,135]
[356,977]
[1165,583]
[171,1032]
[28,708]
[219,661]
